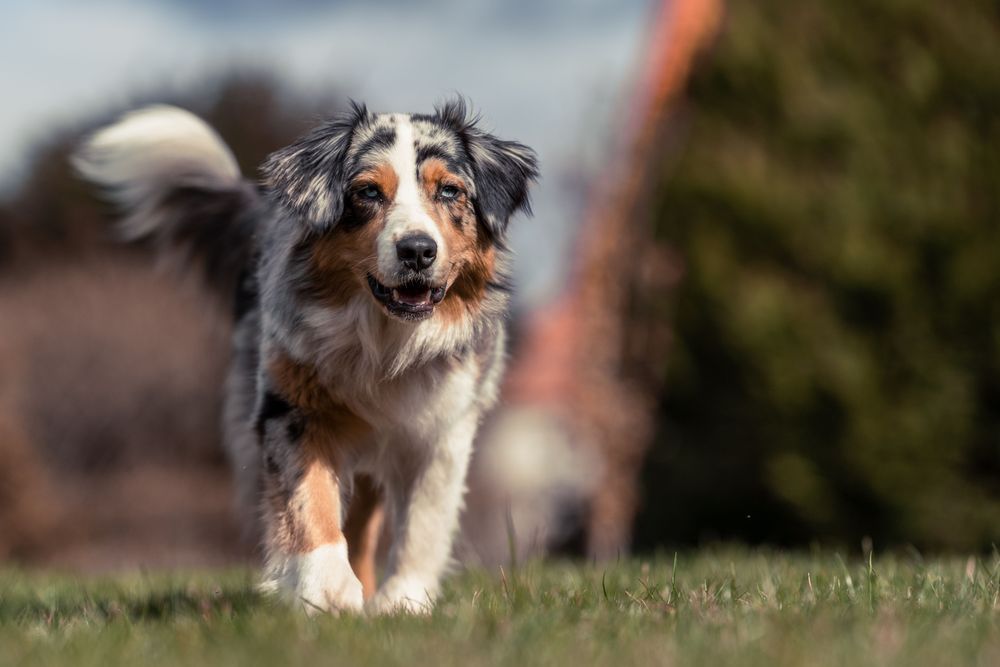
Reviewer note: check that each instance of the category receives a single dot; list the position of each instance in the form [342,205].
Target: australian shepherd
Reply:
[367,272]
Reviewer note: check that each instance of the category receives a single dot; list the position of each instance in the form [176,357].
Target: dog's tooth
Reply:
[395,295]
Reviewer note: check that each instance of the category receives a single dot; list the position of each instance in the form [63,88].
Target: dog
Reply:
[368,273]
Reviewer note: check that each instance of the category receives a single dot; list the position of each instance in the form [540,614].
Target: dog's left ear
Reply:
[502,170]
[308,178]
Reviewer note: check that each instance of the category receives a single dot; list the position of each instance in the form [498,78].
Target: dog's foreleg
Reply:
[363,526]
[427,507]
[307,560]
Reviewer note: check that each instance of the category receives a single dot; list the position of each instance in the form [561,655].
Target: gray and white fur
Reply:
[368,276]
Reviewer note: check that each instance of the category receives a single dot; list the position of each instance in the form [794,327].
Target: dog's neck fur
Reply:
[356,348]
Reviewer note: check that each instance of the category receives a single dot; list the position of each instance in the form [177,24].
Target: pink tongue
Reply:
[412,298]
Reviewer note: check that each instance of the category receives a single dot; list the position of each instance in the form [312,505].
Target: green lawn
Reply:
[713,607]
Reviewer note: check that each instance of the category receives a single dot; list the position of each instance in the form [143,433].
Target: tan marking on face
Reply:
[342,259]
[469,287]
[471,257]
[383,176]
[434,173]
[307,516]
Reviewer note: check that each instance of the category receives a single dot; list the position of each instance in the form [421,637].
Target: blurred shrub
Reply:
[836,365]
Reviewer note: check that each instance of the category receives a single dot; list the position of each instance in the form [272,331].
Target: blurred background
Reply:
[759,300]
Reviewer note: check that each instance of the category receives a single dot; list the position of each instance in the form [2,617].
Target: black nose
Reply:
[417,252]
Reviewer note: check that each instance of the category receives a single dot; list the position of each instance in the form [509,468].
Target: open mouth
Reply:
[412,300]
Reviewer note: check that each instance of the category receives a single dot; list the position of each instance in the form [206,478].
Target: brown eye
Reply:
[448,192]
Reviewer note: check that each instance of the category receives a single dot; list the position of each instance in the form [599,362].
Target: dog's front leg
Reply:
[307,559]
[426,505]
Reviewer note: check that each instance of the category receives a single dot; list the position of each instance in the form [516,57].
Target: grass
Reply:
[714,607]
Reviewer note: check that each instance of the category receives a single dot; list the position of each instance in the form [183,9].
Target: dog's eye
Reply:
[448,192]
[369,192]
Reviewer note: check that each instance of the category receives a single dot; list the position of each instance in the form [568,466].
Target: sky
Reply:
[551,74]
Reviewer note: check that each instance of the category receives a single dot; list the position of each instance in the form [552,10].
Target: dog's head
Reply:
[410,208]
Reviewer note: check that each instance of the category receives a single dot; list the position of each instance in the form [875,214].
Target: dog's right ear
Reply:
[308,178]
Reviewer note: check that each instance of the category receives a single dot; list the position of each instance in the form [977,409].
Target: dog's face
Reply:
[409,208]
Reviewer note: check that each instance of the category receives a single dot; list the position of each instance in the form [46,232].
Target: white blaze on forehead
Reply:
[407,214]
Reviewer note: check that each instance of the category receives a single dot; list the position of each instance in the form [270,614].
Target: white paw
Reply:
[401,595]
[319,581]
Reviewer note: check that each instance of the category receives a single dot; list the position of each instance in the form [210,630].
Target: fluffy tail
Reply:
[179,185]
